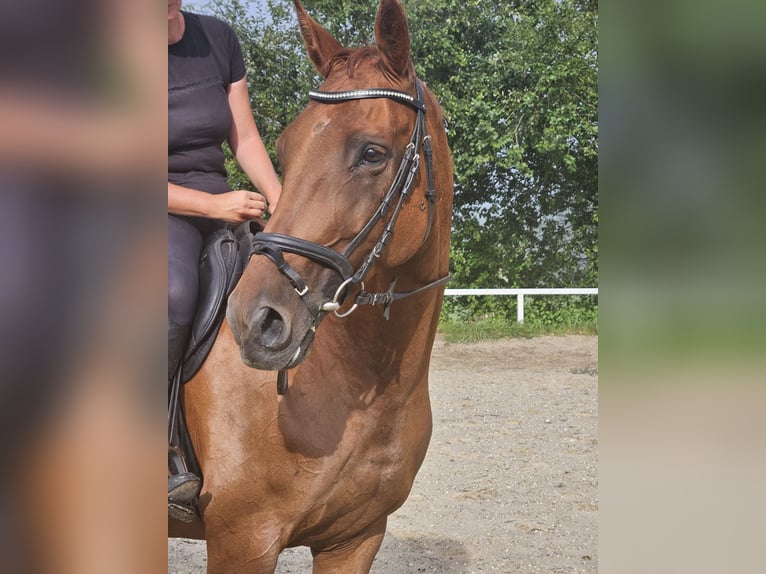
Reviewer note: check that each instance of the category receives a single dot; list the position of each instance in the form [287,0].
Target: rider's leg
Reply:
[184,248]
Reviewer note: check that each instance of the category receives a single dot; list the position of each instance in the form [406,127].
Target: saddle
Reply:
[224,258]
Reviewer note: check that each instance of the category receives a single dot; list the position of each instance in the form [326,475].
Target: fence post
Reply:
[520,308]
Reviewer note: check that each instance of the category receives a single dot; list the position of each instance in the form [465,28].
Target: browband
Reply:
[404,97]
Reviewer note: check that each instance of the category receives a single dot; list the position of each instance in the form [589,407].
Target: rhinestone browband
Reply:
[364,94]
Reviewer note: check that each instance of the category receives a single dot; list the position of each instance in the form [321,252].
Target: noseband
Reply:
[274,245]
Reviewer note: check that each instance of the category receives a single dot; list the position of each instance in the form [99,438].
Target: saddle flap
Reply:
[221,266]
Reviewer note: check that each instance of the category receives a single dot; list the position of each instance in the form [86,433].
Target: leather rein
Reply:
[274,245]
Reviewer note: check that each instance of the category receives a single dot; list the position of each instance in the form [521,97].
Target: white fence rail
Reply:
[519,293]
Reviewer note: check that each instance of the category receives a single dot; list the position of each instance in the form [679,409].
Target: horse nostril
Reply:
[270,328]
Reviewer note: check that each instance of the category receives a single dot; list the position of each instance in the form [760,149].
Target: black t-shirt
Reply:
[201,66]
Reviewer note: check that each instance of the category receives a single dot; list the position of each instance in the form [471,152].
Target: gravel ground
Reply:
[510,481]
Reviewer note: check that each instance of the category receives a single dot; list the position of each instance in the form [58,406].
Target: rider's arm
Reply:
[233,207]
[247,146]
[187,201]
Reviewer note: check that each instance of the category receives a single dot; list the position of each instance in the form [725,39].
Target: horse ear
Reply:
[320,44]
[392,35]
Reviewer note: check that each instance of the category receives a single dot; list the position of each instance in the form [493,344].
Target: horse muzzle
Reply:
[269,338]
[272,323]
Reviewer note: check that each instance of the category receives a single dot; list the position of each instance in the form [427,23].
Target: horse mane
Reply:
[348,61]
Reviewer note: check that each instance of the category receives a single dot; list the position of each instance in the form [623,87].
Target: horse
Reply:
[339,305]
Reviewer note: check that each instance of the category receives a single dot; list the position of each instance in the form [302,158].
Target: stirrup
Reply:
[183,485]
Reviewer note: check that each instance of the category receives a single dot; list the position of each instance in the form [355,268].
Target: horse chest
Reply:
[369,469]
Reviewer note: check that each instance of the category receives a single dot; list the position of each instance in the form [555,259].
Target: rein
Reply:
[274,245]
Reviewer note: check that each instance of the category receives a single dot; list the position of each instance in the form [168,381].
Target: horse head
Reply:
[361,203]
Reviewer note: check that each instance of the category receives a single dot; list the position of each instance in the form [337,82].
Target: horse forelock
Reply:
[349,60]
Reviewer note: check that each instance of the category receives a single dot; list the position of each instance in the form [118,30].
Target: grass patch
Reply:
[491,328]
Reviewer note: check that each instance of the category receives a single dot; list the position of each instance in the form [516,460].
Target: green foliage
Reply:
[493,317]
[518,81]
[488,327]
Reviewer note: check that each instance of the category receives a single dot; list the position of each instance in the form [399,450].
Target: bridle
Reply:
[274,245]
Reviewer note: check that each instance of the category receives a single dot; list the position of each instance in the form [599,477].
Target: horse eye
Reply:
[373,155]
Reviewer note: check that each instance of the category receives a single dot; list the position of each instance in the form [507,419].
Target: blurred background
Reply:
[82,286]
[682,268]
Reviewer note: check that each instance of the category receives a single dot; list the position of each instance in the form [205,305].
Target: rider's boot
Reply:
[183,487]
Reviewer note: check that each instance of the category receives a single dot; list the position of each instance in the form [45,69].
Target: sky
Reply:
[200,6]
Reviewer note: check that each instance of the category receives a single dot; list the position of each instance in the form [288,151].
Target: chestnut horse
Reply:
[351,267]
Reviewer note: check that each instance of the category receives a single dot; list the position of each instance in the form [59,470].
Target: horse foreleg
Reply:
[354,556]
[237,553]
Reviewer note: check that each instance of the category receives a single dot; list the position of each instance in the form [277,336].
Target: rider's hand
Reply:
[237,206]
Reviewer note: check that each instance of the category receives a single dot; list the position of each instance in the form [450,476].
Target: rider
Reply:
[208,102]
